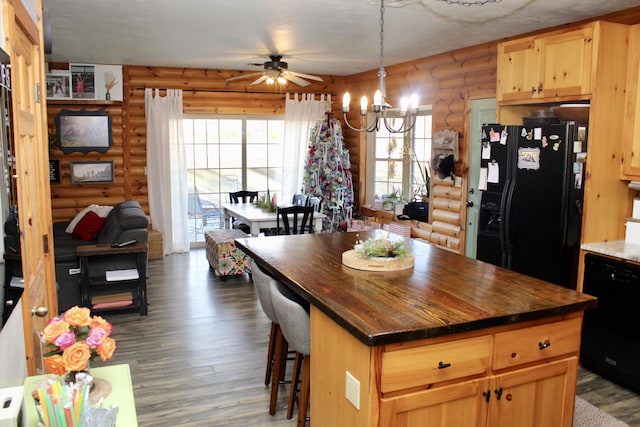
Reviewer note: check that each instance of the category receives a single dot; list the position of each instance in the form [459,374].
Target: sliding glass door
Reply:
[226,154]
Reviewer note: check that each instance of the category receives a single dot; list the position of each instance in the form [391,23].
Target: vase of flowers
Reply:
[109,82]
[75,338]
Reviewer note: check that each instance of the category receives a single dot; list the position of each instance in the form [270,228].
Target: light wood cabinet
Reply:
[535,396]
[600,76]
[631,131]
[545,67]
[522,374]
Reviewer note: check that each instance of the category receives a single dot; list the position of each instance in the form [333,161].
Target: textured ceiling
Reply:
[335,37]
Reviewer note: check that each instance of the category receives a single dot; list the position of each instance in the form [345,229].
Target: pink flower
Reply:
[95,337]
[65,340]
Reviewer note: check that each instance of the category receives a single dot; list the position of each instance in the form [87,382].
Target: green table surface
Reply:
[121,395]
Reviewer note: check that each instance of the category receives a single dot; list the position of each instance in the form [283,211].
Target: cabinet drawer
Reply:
[414,367]
[536,343]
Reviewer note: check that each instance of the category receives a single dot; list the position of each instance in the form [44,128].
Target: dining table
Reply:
[258,218]
[448,322]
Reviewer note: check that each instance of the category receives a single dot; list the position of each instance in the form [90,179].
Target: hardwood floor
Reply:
[198,358]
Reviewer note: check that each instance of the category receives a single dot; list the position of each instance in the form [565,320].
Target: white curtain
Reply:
[301,114]
[166,169]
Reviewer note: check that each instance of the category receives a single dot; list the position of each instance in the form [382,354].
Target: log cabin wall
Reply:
[205,91]
[447,82]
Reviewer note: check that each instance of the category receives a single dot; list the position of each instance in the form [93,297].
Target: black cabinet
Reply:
[611,332]
[123,287]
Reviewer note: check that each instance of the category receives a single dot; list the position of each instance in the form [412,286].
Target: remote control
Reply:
[119,245]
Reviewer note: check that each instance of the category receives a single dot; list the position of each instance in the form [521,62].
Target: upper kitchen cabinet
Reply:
[551,67]
[631,131]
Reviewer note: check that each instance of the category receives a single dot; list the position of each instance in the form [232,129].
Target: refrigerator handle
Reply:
[578,204]
[505,224]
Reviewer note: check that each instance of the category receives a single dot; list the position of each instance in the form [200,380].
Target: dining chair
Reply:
[242,196]
[316,202]
[299,200]
[293,317]
[295,220]
[278,346]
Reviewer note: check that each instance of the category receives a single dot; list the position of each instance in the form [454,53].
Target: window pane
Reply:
[230,131]
[257,155]
[396,168]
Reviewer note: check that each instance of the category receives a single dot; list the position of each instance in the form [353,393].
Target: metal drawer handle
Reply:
[543,345]
[442,365]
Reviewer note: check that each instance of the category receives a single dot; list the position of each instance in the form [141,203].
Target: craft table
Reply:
[121,395]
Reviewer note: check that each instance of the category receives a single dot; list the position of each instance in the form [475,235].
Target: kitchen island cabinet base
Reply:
[540,389]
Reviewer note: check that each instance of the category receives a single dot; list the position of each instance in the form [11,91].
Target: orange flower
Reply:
[106,348]
[76,357]
[55,329]
[99,322]
[54,364]
[78,316]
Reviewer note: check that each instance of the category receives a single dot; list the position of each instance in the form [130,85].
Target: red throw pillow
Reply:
[89,226]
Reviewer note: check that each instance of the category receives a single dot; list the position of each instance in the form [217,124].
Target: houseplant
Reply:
[74,339]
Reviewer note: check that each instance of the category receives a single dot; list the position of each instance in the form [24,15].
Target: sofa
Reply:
[124,222]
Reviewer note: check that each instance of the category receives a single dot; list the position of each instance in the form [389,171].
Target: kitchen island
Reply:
[451,341]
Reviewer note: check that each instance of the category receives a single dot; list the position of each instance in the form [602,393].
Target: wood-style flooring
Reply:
[198,358]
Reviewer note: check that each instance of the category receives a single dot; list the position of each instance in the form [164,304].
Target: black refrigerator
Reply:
[532,184]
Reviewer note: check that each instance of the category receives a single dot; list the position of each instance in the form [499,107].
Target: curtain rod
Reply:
[236,91]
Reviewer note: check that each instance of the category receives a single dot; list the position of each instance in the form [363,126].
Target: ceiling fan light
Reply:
[281,80]
[270,81]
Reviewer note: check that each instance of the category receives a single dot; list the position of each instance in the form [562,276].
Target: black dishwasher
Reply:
[611,331]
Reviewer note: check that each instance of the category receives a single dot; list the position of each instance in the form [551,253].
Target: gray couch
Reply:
[126,221]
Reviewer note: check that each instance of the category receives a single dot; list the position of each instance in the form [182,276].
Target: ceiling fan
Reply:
[277,71]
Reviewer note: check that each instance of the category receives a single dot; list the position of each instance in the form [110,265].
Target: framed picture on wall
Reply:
[83,81]
[83,131]
[97,172]
[59,86]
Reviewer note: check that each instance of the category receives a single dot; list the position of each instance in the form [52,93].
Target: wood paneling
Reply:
[205,91]
[446,81]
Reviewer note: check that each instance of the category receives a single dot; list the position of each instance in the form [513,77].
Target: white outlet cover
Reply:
[352,391]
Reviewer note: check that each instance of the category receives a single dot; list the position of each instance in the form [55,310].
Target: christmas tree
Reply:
[327,173]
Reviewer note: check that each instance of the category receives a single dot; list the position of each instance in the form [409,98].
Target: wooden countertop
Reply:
[444,293]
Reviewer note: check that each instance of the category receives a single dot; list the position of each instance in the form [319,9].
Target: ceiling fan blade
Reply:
[293,79]
[244,76]
[260,80]
[306,76]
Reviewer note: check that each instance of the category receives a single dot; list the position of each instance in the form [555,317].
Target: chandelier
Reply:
[408,106]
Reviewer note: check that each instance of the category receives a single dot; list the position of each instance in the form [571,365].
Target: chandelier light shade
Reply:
[408,106]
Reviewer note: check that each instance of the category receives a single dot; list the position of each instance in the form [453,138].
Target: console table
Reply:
[105,292]
[121,395]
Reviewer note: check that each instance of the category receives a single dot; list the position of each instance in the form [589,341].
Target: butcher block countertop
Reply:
[442,294]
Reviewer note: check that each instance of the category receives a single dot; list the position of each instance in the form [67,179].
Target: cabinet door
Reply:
[453,405]
[631,130]
[565,63]
[543,395]
[518,69]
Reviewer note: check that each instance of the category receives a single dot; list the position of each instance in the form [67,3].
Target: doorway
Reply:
[482,111]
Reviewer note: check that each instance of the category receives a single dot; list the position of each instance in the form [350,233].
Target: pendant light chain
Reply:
[382,74]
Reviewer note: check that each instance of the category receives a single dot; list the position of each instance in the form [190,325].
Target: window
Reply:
[226,154]
[400,160]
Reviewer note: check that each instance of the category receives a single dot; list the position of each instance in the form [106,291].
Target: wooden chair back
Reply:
[294,220]
[243,196]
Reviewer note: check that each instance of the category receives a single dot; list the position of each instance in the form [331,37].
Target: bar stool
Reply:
[293,317]
[278,346]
